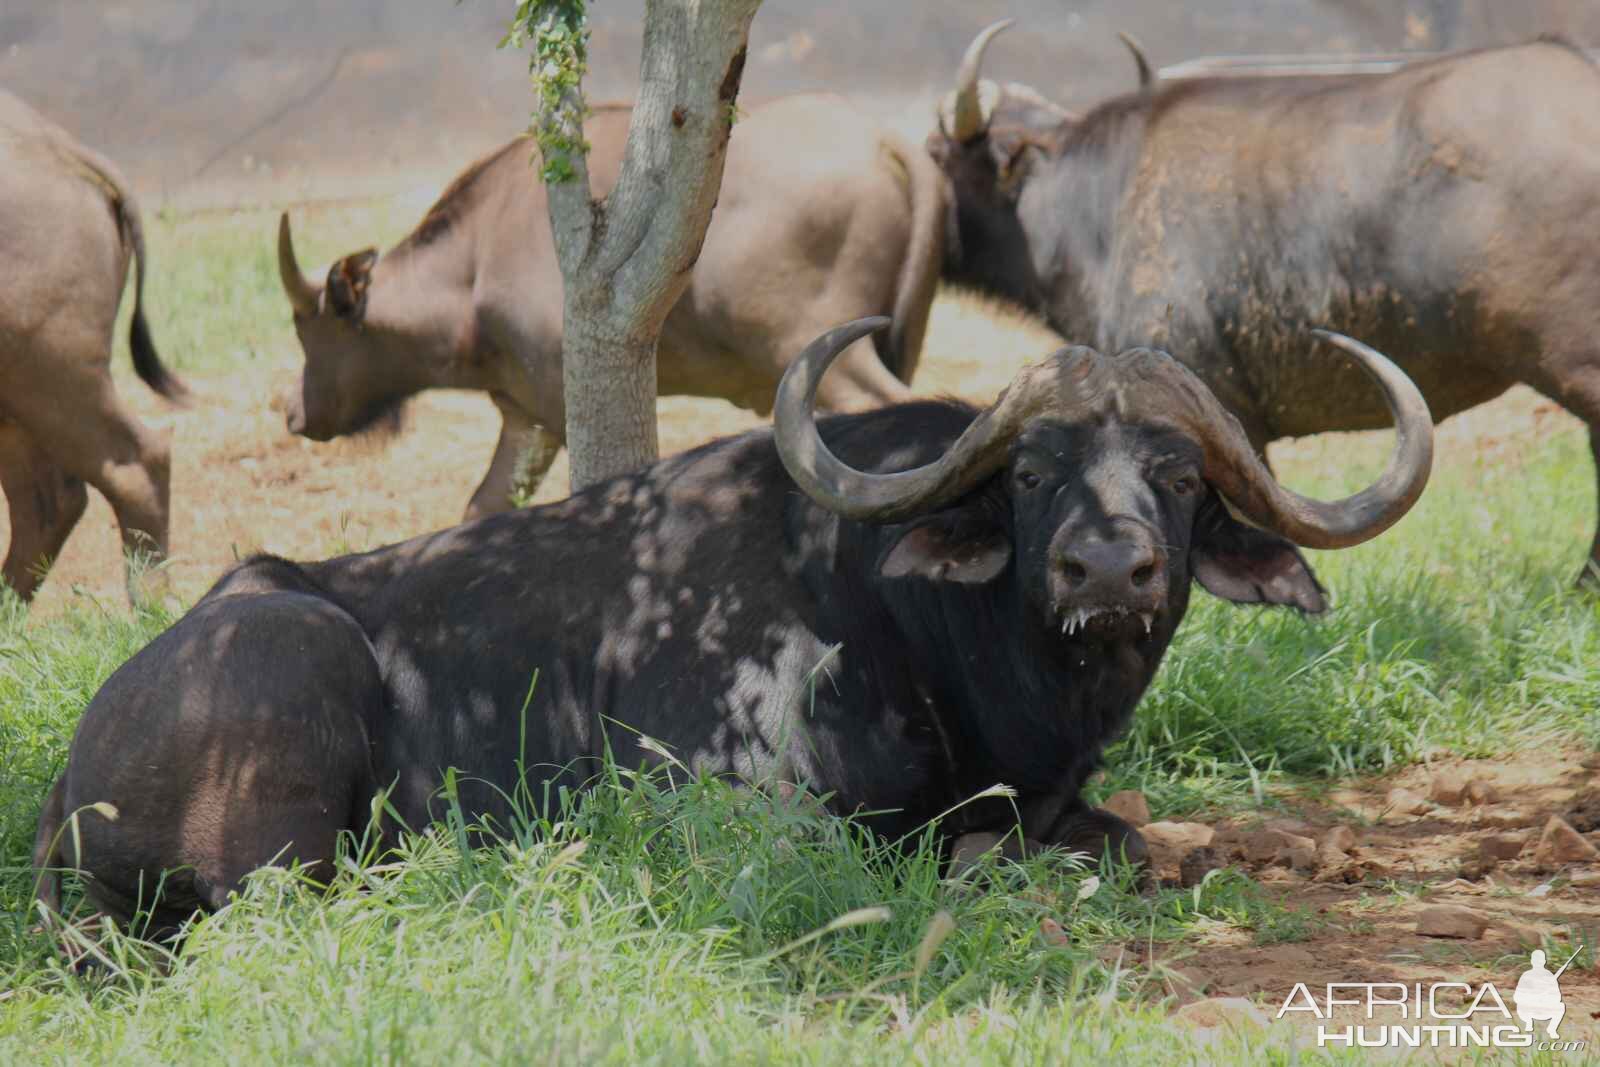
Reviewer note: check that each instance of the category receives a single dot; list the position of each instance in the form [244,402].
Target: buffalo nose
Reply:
[1111,570]
[295,419]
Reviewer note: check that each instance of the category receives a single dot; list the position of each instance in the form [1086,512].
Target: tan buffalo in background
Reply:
[824,216]
[68,227]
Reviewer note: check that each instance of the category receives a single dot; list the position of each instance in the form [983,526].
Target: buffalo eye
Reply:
[1185,485]
[1028,480]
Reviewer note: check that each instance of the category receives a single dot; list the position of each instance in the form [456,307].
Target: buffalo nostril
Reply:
[1076,573]
[1142,576]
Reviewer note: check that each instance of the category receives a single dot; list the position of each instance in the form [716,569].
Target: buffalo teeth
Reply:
[1148,618]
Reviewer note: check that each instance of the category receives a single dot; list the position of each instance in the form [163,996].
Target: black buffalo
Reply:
[964,598]
[1441,212]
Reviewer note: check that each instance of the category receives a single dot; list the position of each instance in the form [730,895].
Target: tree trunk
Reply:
[609,381]
[626,261]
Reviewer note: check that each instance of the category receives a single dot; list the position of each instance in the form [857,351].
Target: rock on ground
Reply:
[1451,920]
[1560,844]
[1129,805]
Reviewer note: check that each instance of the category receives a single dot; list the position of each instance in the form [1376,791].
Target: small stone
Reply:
[1198,863]
[1481,791]
[1449,787]
[1451,920]
[1506,818]
[1519,933]
[1053,933]
[1585,880]
[1296,857]
[1329,856]
[1403,801]
[1217,1012]
[1560,844]
[1339,837]
[1502,846]
[1130,806]
[1179,837]
[1263,846]
[1475,868]
[1169,842]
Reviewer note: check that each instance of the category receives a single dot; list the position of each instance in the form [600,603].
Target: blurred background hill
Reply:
[204,100]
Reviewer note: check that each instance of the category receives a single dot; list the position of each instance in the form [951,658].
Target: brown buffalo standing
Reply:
[823,216]
[68,227]
[1442,212]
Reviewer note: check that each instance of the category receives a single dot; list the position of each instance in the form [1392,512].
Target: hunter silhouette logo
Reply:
[1440,1014]
[1538,995]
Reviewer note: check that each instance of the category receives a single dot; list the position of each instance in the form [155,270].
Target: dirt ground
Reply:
[1411,862]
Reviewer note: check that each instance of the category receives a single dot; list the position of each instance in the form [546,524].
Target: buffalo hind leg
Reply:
[1578,390]
[130,465]
[522,457]
[45,503]
[237,739]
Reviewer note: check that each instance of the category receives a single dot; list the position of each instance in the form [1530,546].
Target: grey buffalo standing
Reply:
[1445,212]
[984,596]
[823,216]
[68,227]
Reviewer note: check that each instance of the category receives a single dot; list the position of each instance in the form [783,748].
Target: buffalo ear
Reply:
[348,281]
[1013,151]
[952,546]
[1246,565]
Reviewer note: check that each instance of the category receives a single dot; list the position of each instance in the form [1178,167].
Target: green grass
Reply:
[649,925]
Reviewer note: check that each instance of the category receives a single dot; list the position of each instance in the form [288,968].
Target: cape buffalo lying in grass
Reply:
[68,227]
[823,216]
[957,598]
[1443,212]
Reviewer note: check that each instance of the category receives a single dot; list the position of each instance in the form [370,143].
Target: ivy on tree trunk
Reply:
[626,260]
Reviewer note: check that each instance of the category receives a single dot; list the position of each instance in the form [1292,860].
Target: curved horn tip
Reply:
[1133,45]
[302,294]
[995,27]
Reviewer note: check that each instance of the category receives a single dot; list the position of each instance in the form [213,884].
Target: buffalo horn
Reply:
[1054,387]
[1238,473]
[1153,386]
[302,294]
[1145,77]
[968,120]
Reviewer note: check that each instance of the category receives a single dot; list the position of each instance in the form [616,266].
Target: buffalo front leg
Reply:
[1060,820]
[45,502]
[522,457]
[1065,821]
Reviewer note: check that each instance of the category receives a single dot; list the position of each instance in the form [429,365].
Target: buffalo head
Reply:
[1103,486]
[351,381]
[988,143]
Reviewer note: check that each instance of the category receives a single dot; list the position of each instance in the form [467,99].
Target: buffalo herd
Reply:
[895,606]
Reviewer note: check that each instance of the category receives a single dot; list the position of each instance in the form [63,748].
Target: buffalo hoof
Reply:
[966,850]
[1100,833]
